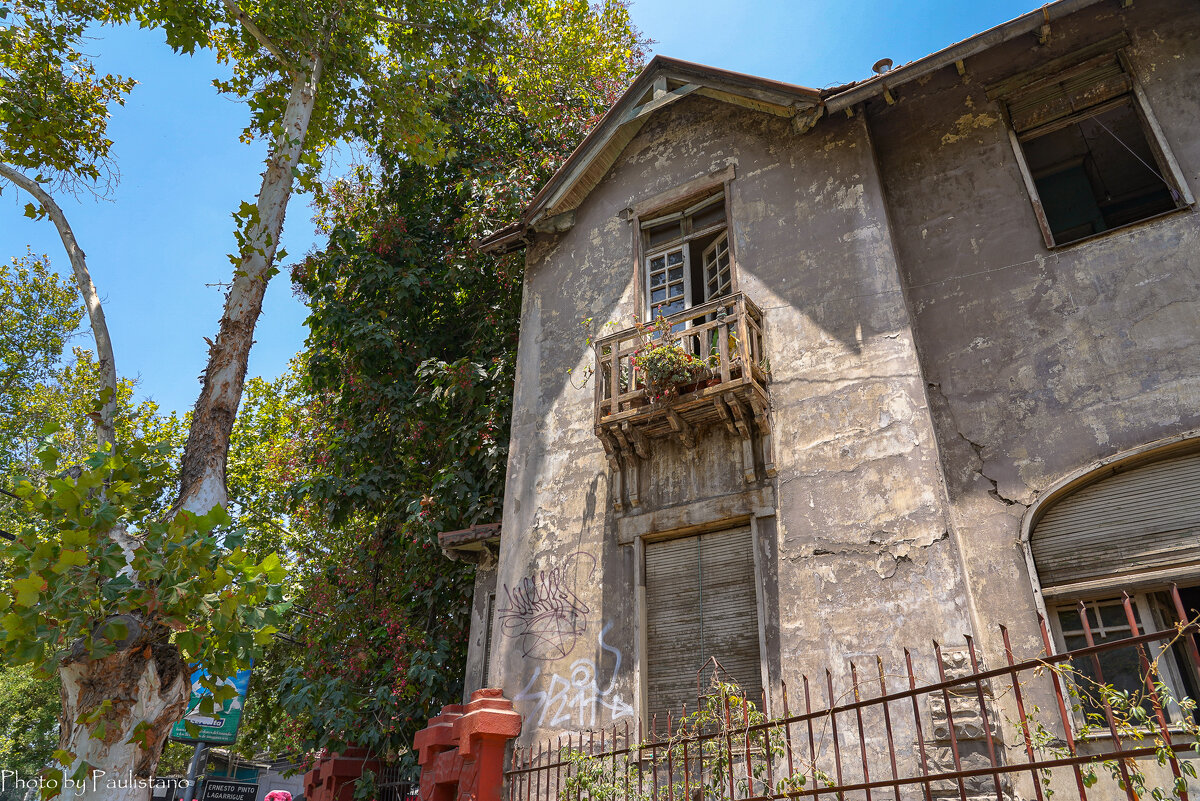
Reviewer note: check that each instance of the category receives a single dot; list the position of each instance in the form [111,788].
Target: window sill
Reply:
[1059,248]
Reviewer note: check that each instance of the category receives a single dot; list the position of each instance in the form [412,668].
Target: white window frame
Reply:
[687,235]
[1150,618]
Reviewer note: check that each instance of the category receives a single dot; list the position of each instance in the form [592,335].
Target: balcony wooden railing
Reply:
[727,333]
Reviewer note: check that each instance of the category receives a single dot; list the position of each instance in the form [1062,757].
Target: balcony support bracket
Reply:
[762,421]
[683,428]
[632,467]
[742,421]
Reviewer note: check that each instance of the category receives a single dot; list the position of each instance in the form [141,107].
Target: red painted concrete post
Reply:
[437,751]
[461,751]
[487,724]
[333,777]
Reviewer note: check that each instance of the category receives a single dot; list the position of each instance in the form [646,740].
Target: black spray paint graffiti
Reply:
[576,699]
[545,613]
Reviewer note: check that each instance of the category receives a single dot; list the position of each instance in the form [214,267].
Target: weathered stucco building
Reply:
[953,313]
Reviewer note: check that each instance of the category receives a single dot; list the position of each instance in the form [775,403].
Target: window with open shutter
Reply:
[1093,157]
[687,258]
[700,604]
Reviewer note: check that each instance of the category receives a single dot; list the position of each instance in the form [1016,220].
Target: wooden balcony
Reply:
[727,333]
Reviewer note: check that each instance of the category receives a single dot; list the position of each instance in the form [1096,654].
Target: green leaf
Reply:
[69,559]
[188,643]
[52,783]
[116,630]
[264,635]
[31,211]
[14,625]
[273,569]
[28,589]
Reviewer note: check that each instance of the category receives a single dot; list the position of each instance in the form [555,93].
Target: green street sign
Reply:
[222,729]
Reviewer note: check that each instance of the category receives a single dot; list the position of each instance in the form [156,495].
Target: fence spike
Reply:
[1020,700]
[983,713]
[941,666]
[1154,699]
[1108,713]
[831,706]
[862,735]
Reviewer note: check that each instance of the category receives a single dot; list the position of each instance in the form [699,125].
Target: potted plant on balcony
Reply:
[663,364]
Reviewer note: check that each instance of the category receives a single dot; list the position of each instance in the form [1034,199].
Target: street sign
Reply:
[222,790]
[221,730]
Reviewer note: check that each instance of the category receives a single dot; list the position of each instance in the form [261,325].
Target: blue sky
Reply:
[163,236]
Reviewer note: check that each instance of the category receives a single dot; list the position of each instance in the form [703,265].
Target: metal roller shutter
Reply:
[700,603]
[1145,518]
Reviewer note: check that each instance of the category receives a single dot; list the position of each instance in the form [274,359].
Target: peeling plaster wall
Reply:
[857,555]
[1039,362]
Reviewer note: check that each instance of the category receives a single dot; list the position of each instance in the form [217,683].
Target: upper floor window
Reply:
[1094,158]
[686,256]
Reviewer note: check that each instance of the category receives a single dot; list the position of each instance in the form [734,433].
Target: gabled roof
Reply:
[665,80]
[662,82]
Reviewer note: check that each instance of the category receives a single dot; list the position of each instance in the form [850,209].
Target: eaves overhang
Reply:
[665,80]
[1035,22]
[479,544]
[661,83]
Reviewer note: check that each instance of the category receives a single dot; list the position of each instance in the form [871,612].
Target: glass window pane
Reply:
[1113,617]
[676,274]
[658,295]
[657,278]
[656,263]
[675,257]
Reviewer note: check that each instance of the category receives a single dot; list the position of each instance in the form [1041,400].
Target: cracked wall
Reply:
[1038,362]
[854,526]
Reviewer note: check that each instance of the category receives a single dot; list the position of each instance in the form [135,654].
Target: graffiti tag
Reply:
[545,613]
[576,699]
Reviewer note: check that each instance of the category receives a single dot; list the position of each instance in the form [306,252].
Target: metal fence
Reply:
[393,784]
[1034,727]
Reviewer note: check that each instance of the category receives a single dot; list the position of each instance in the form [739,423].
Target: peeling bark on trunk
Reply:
[202,469]
[146,680]
[105,432]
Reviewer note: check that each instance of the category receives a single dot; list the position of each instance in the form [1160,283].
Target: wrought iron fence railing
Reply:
[1026,728]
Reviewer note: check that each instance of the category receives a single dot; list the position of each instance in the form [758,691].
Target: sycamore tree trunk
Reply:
[147,680]
[105,433]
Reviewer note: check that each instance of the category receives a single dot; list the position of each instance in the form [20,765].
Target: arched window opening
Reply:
[1133,526]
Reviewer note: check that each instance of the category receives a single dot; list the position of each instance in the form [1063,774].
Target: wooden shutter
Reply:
[1145,518]
[1055,101]
[700,603]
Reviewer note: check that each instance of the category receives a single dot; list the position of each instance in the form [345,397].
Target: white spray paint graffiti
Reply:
[577,698]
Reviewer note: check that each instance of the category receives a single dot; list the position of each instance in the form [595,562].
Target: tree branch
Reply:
[247,23]
[105,430]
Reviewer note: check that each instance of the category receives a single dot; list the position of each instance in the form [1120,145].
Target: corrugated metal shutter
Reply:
[1145,518]
[700,603]
[1060,97]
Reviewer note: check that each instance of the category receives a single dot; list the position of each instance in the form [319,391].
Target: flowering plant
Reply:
[662,361]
